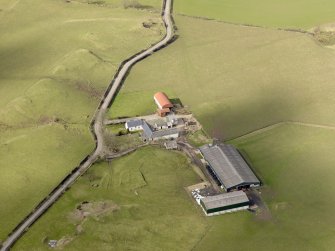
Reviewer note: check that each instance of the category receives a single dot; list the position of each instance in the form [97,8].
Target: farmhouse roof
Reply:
[148,132]
[225,199]
[229,166]
[134,123]
[162,99]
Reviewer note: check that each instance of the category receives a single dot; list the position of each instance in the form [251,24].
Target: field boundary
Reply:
[96,127]
[248,25]
[275,125]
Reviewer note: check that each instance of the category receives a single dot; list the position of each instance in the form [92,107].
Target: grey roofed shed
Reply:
[150,134]
[224,201]
[229,166]
[163,133]
[147,130]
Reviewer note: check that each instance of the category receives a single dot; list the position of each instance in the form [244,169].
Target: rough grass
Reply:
[56,60]
[296,165]
[33,161]
[294,14]
[236,79]
[155,211]
[147,186]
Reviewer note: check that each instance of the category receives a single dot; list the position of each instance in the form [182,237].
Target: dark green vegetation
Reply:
[56,60]
[237,79]
[296,164]
[295,14]
[143,206]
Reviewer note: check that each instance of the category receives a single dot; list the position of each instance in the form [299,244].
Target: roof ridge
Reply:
[231,164]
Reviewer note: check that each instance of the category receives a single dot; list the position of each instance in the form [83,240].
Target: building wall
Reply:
[157,103]
[227,211]
[230,208]
[137,128]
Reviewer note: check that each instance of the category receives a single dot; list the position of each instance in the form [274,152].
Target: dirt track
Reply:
[96,128]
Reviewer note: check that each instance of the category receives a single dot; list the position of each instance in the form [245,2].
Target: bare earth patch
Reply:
[325,34]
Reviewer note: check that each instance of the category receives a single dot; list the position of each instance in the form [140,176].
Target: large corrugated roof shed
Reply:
[224,200]
[228,165]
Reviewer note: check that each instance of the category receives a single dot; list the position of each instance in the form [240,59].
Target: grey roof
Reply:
[162,133]
[134,123]
[228,165]
[225,199]
[148,132]
[158,122]
[171,144]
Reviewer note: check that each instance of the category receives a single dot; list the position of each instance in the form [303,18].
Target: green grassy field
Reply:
[33,161]
[295,14]
[237,79]
[154,211]
[56,60]
[296,165]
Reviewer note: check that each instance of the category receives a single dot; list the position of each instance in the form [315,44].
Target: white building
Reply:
[134,125]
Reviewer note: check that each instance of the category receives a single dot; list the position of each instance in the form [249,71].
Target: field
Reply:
[151,208]
[237,79]
[294,14]
[147,189]
[296,164]
[57,59]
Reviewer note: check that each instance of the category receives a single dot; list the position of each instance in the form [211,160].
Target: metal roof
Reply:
[162,133]
[228,165]
[148,132]
[225,199]
[134,123]
[157,122]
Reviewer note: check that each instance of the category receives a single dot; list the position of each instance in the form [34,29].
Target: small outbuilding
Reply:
[171,145]
[225,203]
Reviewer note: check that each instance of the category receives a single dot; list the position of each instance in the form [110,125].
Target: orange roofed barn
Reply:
[163,103]
[162,100]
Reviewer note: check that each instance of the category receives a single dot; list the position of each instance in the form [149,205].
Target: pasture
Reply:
[293,14]
[296,164]
[146,190]
[33,161]
[153,208]
[237,79]
[57,59]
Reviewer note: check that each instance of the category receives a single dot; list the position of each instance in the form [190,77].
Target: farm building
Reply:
[224,203]
[163,103]
[171,145]
[150,134]
[163,112]
[134,125]
[229,167]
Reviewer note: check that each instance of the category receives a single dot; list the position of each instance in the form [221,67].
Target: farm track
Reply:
[96,129]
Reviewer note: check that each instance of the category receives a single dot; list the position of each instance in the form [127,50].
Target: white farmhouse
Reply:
[134,125]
